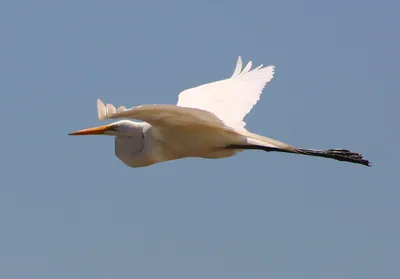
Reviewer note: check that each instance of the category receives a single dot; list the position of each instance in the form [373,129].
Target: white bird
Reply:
[207,122]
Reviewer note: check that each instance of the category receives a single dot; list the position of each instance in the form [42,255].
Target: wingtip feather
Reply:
[101,110]
[238,68]
[110,110]
[247,68]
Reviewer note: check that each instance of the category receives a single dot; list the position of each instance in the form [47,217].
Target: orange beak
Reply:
[100,130]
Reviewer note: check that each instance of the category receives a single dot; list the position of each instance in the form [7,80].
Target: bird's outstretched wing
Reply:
[161,115]
[230,99]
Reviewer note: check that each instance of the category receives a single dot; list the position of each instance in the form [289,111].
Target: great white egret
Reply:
[207,122]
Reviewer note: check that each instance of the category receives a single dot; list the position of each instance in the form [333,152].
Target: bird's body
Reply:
[154,146]
[207,122]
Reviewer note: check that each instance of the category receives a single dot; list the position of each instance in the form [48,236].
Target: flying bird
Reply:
[207,122]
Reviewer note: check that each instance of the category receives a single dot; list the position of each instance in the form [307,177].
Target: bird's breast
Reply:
[131,151]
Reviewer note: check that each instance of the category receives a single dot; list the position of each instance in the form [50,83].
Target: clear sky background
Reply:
[70,209]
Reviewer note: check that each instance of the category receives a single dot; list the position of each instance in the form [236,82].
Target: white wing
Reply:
[230,99]
[161,115]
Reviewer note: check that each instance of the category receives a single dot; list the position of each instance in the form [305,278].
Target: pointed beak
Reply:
[100,130]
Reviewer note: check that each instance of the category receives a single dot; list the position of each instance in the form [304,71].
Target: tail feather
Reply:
[336,154]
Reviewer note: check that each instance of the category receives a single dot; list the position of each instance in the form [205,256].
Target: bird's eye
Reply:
[114,128]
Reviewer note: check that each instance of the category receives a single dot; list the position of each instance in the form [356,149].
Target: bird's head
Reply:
[119,128]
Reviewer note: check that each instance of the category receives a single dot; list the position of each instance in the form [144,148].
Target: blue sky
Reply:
[70,209]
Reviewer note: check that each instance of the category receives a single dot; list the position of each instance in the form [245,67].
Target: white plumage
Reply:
[206,122]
